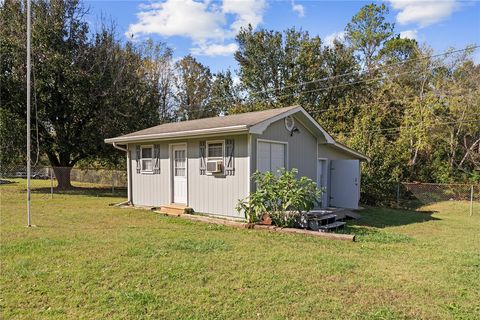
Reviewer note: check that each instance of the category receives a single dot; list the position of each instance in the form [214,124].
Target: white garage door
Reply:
[271,156]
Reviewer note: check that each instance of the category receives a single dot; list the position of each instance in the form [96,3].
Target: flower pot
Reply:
[266,219]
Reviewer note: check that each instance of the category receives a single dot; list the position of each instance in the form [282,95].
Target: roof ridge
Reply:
[218,116]
[245,119]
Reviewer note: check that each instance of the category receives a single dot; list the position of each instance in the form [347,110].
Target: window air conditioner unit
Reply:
[214,166]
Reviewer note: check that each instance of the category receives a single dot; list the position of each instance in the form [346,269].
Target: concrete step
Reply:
[174,209]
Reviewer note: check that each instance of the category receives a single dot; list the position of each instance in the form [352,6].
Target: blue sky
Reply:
[207,28]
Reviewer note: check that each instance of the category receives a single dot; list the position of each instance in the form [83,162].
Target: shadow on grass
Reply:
[382,217]
[370,234]
[85,191]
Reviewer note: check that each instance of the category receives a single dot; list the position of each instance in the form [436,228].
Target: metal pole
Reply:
[113,182]
[471,200]
[29,224]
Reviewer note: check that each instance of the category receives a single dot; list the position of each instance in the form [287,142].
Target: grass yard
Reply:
[88,260]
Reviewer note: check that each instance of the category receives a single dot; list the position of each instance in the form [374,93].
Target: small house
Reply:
[207,164]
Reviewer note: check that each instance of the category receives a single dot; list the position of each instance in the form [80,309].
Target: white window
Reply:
[147,158]
[215,150]
[180,163]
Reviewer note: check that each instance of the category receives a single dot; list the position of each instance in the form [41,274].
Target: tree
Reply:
[279,69]
[160,76]
[224,94]
[193,85]
[86,87]
[367,31]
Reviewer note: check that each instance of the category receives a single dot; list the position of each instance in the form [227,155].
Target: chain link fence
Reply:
[415,194]
[94,181]
[46,179]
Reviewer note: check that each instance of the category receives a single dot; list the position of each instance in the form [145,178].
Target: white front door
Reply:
[345,183]
[179,169]
[322,181]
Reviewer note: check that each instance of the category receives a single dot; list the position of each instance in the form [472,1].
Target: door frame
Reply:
[171,171]
[326,180]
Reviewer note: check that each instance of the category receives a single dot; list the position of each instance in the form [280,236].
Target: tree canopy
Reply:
[416,114]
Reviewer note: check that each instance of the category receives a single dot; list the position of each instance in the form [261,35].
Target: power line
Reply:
[367,71]
[397,100]
[414,126]
[334,86]
[355,82]
[349,84]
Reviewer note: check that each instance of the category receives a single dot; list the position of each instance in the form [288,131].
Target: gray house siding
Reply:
[211,194]
[218,194]
[302,147]
[329,153]
[333,153]
[150,189]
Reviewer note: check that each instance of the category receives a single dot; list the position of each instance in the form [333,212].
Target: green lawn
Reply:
[88,260]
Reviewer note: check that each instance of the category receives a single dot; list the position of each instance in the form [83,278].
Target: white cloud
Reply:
[246,12]
[215,49]
[340,36]
[208,24]
[195,20]
[424,12]
[298,9]
[409,34]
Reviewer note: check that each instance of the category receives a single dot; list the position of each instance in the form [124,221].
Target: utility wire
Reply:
[351,83]
[367,71]
[414,126]
[336,86]
[396,100]
[350,73]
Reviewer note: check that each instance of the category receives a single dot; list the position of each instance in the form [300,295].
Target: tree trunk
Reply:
[62,174]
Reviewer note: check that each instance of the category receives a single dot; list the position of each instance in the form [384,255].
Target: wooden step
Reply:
[330,226]
[321,217]
[174,209]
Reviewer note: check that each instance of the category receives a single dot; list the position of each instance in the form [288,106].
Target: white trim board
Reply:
[180,134]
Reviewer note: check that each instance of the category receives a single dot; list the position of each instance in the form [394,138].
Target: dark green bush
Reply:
[281,195]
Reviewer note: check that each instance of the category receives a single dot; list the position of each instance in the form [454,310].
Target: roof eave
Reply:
[260,127]
[351,151]
[178,134]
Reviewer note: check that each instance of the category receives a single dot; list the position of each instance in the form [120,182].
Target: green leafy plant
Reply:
[282,195]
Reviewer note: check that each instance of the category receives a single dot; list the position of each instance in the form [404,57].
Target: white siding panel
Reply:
[217,194]
[302,147]
[333,153]
[150,189]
